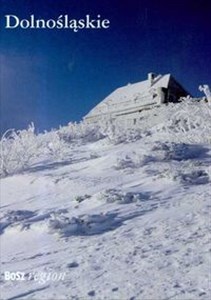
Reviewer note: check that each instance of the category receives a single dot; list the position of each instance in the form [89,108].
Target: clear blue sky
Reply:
[52,77]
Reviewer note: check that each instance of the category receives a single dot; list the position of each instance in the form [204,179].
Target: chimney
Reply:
[151,77]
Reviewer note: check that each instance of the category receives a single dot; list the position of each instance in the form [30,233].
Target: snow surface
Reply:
[124,220]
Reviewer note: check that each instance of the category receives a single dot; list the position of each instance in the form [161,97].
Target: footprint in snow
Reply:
[73,264]
[91,293]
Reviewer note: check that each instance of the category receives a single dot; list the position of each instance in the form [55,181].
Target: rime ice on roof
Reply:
[128,101]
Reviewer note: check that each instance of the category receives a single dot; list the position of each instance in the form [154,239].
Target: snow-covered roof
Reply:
[130,92]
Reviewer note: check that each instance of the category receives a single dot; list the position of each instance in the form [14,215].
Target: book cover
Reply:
[105,149]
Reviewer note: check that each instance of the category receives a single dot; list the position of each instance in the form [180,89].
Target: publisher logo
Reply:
[40,277]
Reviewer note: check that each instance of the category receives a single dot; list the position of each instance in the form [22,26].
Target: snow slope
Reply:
[121,218]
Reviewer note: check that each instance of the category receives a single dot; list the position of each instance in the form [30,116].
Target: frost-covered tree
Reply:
[206,90]
[18,148]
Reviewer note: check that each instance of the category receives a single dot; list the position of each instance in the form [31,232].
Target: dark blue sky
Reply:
[55,76]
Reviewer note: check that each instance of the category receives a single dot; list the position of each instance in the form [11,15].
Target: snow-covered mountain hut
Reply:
[127,102]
